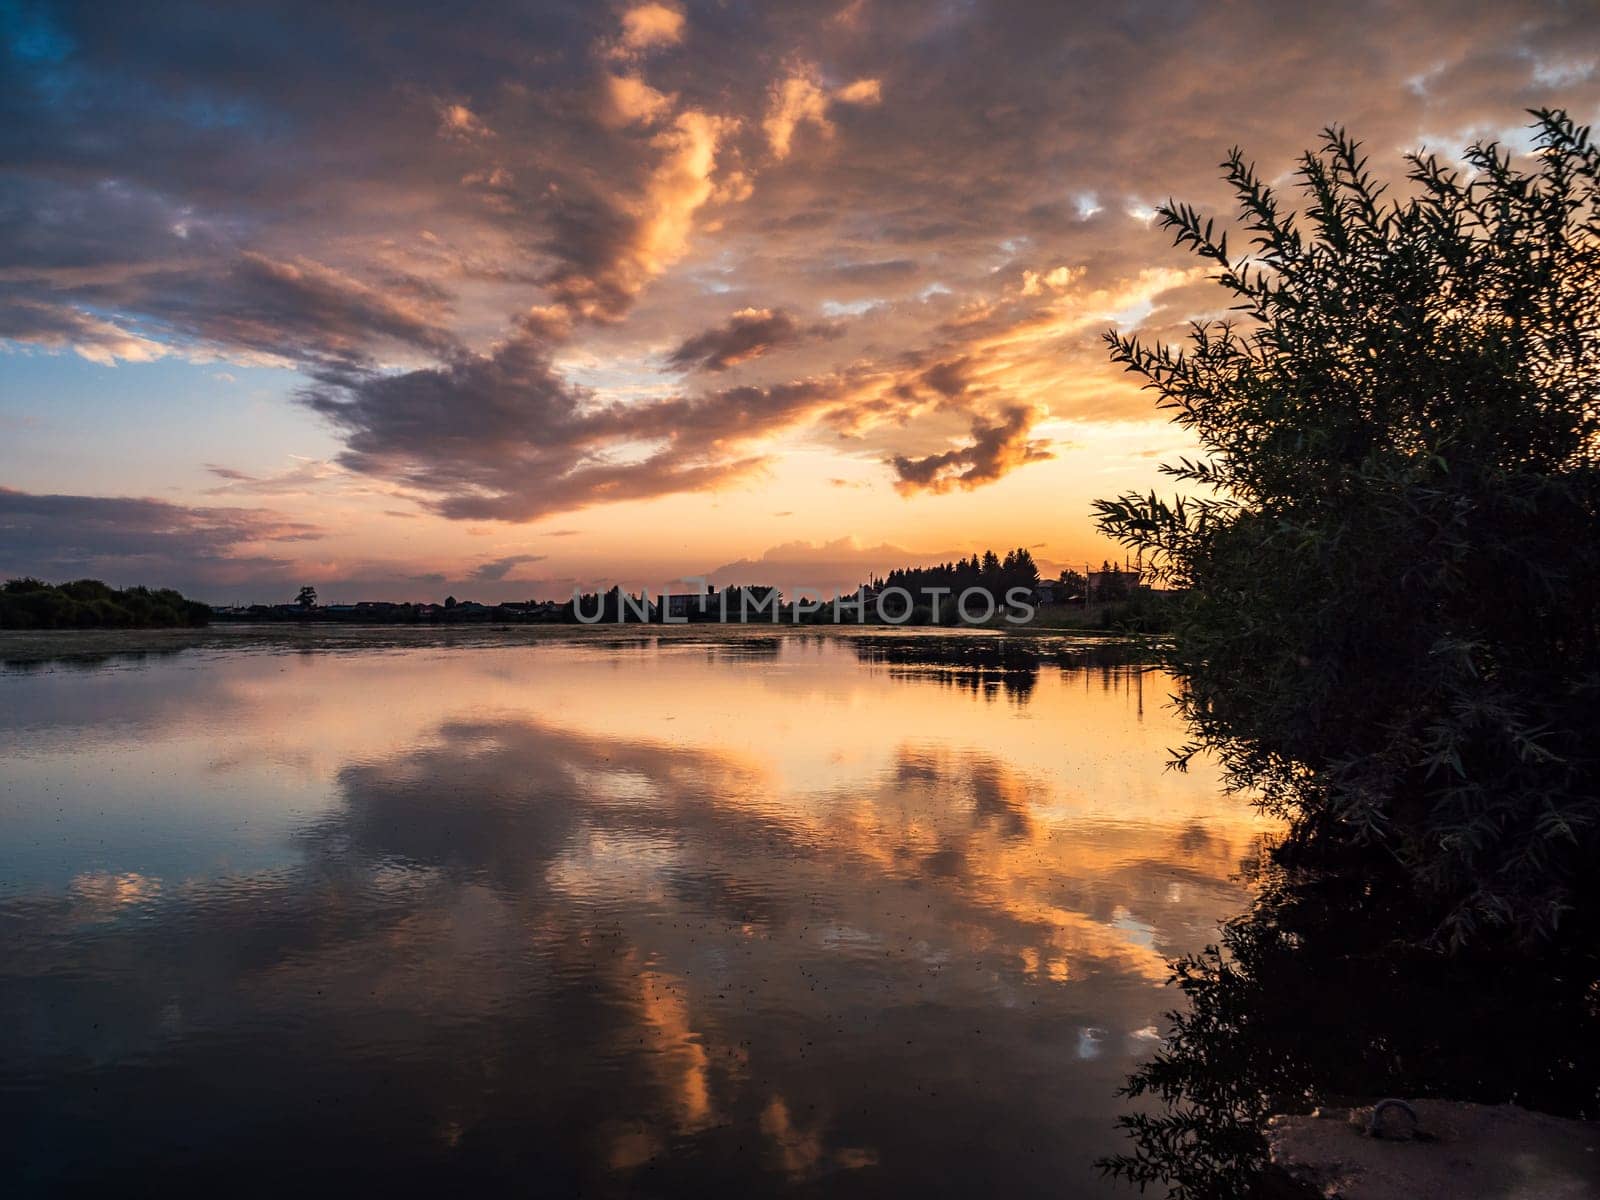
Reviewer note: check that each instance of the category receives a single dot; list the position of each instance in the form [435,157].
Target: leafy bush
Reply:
[90,604]
[1390,631]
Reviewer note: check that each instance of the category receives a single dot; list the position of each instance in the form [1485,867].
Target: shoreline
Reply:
[31,646]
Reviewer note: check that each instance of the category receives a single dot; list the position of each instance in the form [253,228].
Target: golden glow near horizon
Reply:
[642,291]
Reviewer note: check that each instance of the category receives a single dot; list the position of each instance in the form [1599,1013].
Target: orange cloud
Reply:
[793,102]
[647,26]
[629,100]
[905,253]
[995,449]
[862,91]
[459,122]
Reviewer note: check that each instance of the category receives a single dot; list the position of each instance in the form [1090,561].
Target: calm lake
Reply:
[704,914]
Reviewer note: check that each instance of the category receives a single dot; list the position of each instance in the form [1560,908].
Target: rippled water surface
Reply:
[742,915]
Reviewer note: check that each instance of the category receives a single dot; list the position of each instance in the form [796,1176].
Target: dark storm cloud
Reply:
[948,378]
[55,224]
[502,436]
[127,540]
[747,334]
[995,449]
[299,309]
[469,428]
[364,187]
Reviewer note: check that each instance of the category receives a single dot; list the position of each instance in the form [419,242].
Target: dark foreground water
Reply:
[878,915]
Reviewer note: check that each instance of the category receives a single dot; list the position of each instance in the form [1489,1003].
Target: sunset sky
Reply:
[498,299]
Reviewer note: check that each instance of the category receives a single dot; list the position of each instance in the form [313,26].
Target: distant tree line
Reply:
[1012,583]
[990,572]
[90,604]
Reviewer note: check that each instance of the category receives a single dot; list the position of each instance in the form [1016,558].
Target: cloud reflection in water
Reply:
[666,917]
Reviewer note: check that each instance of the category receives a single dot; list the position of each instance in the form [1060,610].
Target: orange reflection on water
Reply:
[794,905]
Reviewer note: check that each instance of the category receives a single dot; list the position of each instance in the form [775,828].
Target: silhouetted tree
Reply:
[307,597]
[1072,582]
[1112,583]
[1391,631]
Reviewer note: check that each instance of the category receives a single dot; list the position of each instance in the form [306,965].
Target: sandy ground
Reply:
[1471,1150]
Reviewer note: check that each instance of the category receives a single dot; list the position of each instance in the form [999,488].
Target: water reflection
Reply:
[1323,993]
[993,666]
[671,916]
